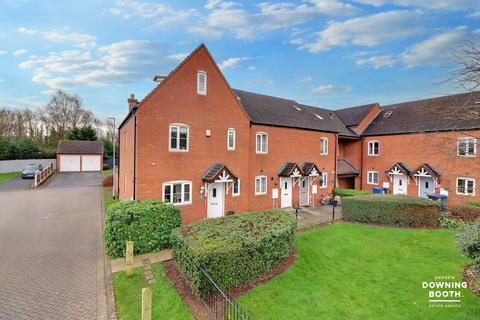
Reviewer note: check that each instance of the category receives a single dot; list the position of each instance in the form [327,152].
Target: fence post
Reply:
[35,182]
[129,258]
[146,304]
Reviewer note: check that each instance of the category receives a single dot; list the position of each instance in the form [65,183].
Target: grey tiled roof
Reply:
[354,115]
[307,167]
[214,170]
[402,166]
[455,112]
[79,147]
[287,168]
[429,168]
[268,110]
[345,168]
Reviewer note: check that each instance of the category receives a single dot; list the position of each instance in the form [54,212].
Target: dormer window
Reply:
[202,82]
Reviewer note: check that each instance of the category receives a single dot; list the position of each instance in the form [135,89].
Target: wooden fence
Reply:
[43,175]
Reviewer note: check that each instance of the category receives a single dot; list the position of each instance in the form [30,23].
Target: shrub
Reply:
[391,210]
[349,192]
[108,181]
[234,249]
[448,223]
[469,242]
[147,223]
[466,213]
[473,203]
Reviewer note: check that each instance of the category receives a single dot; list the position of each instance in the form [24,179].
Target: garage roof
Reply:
[80,147]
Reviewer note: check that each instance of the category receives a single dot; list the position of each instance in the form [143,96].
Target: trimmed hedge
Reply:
[395,210]
[235,249]
[147,223]
[349,192]
[463,212]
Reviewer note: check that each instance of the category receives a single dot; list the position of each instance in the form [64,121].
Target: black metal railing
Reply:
[218,301]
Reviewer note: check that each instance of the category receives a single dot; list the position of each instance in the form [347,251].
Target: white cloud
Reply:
[368,30]
[80,40]
[475,14]
[2,80]
[306,79]
[427,4]
[231,62]
[3,52]
[377,62]
[251,68]
[19,52]
[435,50]
[164,14]
[121,62]
[329,88]
[27,31]
[178,56]
[231,18]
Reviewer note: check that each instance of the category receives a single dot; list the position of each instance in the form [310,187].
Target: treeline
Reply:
[34,133]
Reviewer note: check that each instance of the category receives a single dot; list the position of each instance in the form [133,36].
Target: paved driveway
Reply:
[51,258]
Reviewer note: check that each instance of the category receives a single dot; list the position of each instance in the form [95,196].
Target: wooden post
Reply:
[146,304]
[129,258]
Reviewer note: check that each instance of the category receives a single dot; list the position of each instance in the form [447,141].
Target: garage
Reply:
[79,156]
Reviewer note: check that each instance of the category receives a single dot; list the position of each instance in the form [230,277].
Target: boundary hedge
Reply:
[349,192]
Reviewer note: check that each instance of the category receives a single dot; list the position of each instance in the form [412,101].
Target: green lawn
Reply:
[474,203]
[107,173]
[349,271]
[8,175]
[166,303]
[107,197]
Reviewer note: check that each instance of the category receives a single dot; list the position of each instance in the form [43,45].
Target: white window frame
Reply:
[323,146]
[236,194]
[199,74]
[466,179]
[265,144]
[182,192]
[468,155]
[178,126]
[370,142]
[324,180]
[370,181]
[229,147]
[260,192]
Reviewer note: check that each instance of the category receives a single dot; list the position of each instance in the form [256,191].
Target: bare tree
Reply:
[466,73]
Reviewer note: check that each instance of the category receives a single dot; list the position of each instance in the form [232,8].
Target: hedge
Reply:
[147,223]
[235,249]
[464,212]
[349,192]
[473,203]
[468,240]
[393,210]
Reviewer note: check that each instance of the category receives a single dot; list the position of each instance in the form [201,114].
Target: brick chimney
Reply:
[132,102]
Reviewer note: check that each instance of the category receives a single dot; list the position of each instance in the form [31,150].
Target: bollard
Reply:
[129,258]
[146,304]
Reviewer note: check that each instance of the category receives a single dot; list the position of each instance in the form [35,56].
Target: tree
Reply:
[26,149]
[108,149]
[467,70]
[83,133]
[5,149]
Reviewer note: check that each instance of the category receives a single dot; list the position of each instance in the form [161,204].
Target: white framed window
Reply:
[372,177]
[178,137]
[260,185]
[324,146]
[262,142]
[177,192]
[373,148]
[202,82]
[466,186]
[231,139]
[467,147]
[324,180]
[236,188]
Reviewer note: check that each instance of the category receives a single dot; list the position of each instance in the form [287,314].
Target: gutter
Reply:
[134,154]
[336,160]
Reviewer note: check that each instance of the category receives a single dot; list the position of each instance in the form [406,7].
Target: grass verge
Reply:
[8,176]
[107,197]
[107,173]
[166,302]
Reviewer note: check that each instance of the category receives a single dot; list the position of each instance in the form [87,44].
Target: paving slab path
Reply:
[51,253]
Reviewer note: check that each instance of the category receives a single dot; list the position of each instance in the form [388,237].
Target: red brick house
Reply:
[197,143]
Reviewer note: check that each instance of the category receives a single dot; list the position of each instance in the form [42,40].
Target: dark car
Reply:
[30,170]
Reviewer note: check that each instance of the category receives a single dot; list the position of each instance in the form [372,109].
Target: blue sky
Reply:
[327,53]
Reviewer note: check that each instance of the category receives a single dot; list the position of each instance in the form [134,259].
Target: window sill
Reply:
[372,184]
[180,151]
[467,155]
[260,194]
[466,195]
[180,204]
[261,152]
[374,155]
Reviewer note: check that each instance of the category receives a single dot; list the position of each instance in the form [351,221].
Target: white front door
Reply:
[304,192]
[69,163]
[286,190]
[216,198]
[91,163]
[399,184]
[425,186]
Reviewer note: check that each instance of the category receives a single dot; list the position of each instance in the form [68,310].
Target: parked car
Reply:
[30,170]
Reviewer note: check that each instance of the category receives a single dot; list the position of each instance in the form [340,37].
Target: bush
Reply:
[349,192]
[448,223]
[473,203]
[235,249]
[147,223]
[469,243]
[464,212]
[395,210]
[108,181]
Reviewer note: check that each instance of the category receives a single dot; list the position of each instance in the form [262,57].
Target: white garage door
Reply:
[69,163]
[91,163]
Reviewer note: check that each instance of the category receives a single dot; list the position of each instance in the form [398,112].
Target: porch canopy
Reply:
[399,168]
[218,172]
[290,169]
[346,170]
[310,169]
[427,170]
